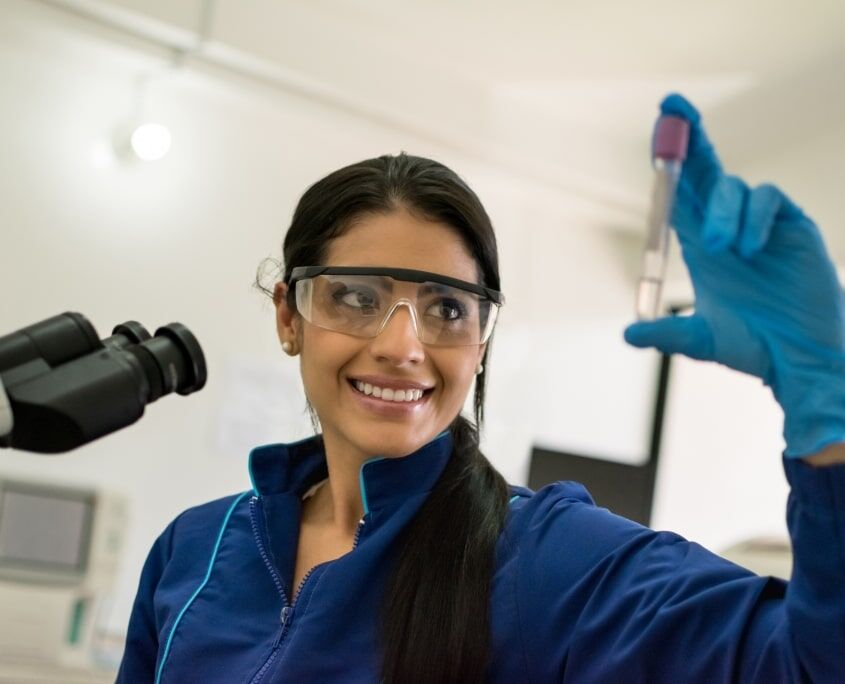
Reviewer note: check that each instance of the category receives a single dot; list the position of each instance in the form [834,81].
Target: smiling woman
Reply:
[410,231]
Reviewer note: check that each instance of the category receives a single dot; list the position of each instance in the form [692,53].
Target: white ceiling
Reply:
[561,93]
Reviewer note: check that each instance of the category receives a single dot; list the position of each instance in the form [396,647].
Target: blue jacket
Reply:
[578,594]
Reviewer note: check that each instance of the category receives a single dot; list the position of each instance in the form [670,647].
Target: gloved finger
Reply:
[723,217]
[702,167]
[688,335]
[764,203]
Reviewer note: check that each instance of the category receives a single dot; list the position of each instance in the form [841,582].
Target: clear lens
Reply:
[359,305]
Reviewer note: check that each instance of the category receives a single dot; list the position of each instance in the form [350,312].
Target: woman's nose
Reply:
[397,341]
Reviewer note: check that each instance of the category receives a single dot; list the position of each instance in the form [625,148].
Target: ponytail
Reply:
[436,615]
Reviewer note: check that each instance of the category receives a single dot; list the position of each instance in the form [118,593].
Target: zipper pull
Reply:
[284,617]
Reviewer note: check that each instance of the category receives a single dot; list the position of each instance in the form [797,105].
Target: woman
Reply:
[389,549]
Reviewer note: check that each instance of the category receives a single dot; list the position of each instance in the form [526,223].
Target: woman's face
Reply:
[331,362]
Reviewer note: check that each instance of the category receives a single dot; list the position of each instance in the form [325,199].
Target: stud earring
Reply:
[479,370]
[287,347]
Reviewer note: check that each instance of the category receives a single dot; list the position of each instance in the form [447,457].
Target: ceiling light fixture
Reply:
[137,137]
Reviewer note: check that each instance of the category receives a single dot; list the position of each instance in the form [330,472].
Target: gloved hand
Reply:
[767,298]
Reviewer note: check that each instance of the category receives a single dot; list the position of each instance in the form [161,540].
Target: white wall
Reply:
[180,240]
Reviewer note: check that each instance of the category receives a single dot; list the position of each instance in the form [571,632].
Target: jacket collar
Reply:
[293,468]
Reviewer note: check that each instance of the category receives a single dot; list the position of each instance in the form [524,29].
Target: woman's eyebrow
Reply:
[437,288]
[429,287]
[385,283]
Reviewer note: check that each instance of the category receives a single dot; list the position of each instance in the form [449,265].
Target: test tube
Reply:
[671,135]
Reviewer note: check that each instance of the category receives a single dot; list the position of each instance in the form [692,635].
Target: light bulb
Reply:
[150,141]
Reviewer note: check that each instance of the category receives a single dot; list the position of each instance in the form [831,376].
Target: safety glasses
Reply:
[359,301]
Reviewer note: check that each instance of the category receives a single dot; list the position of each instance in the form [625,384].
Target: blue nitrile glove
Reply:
[767,298]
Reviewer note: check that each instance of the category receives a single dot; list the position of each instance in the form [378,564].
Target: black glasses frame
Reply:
[408,274]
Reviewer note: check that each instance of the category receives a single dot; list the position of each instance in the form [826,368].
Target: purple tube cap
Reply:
[671,136]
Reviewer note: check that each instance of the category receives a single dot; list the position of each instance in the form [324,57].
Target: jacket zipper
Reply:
[253,501]
[287,608]
[308,574]
[285,613]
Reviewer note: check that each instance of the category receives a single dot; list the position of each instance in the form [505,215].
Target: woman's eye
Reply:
[356,299]
[448,310]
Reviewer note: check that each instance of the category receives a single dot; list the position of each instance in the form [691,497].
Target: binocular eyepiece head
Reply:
[172,359]
[67,387]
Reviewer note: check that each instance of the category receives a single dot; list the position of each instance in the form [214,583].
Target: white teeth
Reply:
[387,393]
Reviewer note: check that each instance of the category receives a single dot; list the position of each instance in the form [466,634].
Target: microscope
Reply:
[61,386]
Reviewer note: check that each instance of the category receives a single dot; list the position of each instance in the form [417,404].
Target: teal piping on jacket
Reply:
[361,482]
[254,449]
[200,587]
[251,478]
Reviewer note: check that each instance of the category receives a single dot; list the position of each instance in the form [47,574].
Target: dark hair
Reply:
[446,639]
